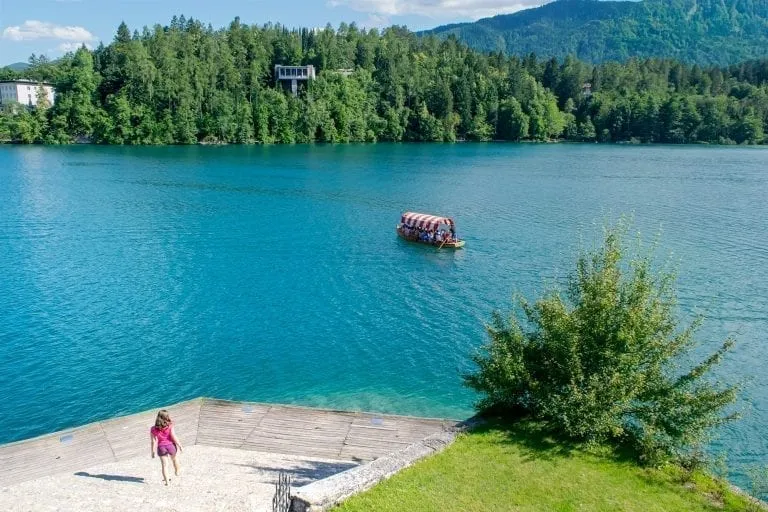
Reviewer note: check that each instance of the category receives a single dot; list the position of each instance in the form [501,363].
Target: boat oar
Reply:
[441,245]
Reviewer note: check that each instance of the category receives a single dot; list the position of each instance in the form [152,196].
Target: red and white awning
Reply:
[424,221]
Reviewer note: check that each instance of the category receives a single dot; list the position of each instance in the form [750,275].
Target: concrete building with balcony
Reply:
[290,76]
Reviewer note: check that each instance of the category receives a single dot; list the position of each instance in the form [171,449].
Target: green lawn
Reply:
[517,468]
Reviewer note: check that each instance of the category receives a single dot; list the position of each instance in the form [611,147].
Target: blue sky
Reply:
[52,27]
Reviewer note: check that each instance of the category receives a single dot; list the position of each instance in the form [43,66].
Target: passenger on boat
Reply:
[436,236]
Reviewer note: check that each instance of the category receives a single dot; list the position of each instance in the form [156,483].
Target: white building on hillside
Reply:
[24,92]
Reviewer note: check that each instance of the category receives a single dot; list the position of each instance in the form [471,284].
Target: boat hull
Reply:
[458,244]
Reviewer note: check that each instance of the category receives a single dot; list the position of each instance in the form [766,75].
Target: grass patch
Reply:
[519,467]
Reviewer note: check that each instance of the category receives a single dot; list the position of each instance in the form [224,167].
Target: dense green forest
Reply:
[700,32]
[187,83]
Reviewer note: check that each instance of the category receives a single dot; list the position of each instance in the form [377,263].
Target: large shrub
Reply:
[606,359]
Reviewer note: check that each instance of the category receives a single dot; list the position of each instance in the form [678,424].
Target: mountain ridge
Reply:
[717,32]
[16,66]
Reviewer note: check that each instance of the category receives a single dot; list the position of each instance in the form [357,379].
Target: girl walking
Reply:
[164,442]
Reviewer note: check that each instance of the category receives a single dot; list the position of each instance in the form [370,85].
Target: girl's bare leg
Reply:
[162,463]
[176,467]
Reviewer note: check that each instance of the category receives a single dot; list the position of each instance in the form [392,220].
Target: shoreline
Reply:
[419,143]
[219,434]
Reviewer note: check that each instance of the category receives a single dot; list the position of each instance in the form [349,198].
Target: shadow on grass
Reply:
[538,442]
[308,472]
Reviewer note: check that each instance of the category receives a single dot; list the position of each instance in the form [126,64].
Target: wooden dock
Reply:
[320,433]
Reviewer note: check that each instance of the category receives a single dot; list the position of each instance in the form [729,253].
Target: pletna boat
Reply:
[429,229]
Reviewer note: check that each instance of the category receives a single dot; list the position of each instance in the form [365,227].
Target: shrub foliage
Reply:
[606,359]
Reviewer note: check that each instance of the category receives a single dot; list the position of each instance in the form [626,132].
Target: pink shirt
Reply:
[163,436]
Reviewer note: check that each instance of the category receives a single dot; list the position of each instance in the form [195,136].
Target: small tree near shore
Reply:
[601,361]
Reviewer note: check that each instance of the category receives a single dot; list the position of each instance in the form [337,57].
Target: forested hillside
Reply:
[187,83]
[694,31]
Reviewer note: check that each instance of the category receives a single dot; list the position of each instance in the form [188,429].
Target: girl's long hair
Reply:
[163,419]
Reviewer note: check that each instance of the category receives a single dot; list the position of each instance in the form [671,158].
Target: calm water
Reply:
[134,277]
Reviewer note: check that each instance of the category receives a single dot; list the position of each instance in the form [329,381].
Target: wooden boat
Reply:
[416,227]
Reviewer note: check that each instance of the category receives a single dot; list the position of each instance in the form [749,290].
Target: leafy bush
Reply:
[601,360]
[758,486]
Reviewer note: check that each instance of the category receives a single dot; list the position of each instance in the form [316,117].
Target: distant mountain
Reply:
[18,66]
[697,31]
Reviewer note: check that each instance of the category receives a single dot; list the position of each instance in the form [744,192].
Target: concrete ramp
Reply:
[90,445]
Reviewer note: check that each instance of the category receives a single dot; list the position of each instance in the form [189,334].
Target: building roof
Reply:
[25,81]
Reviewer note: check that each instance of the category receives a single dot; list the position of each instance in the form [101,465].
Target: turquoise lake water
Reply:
[135,277]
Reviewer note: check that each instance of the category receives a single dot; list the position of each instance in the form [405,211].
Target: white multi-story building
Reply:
[24,92]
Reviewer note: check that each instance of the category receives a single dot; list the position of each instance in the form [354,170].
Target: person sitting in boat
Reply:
[439,236]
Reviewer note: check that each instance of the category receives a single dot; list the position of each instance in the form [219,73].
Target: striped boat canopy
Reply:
[424,221]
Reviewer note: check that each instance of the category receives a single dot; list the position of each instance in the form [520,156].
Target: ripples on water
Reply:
[136,277]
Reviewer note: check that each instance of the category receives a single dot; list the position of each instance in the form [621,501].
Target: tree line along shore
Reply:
[188,83]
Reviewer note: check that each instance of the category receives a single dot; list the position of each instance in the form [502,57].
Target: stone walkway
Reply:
[212,479]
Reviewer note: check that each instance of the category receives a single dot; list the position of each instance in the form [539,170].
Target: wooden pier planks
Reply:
[372,436]
[299,431]
[310,432]
[307,432]
[227,424]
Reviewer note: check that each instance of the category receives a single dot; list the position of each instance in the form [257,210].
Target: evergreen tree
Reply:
[749,129]
[513,123]
[74,111]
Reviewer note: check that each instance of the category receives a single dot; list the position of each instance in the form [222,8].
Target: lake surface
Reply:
[134,277]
